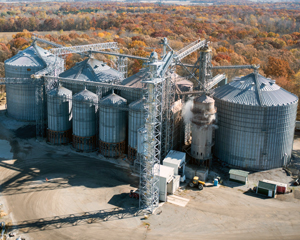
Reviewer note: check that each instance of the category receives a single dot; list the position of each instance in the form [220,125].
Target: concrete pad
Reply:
[179,201]
[297,193]
[5,150]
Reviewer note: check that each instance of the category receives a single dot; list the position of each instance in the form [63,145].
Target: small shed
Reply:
[280,187]
[176,160]
[266,188]
[238,176]
[166,175]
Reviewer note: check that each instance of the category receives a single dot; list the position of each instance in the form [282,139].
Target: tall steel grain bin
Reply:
[21,102]
[112,125]
[59,108]
[134,81]
[85,109]
[91,70]
[136,120]
[256,120]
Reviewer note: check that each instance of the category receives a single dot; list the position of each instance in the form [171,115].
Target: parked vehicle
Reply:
[197,183]
[134,194]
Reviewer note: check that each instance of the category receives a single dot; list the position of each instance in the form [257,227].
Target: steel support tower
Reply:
[150,161]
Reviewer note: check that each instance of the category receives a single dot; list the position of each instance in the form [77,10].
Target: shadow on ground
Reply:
[69,170]
[251,193]
[76,219]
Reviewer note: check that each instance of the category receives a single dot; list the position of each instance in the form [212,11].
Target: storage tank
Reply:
[112,125]
[136,120]
[202,128]
[256,120]
[21,102]
[85,109]
[59,112]
[91,70]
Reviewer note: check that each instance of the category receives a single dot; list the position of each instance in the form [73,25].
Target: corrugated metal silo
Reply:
[21,103]
[112,125]
[256,120]
[136,120]
[59,106]
[85,109]
[91,70]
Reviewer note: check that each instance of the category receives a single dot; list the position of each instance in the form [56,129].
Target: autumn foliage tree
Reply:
[277,67]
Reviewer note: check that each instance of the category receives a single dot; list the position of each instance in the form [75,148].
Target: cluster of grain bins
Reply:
[256,120]
[99,115]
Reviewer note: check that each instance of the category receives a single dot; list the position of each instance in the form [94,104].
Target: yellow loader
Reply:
[197,183]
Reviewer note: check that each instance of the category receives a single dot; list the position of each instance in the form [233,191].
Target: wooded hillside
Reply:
[264,34]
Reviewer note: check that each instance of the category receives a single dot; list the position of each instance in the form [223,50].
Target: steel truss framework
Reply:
[159,97]
[150,162]
[84,48]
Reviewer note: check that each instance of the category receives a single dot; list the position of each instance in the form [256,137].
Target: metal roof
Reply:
[86,95]
[204,99]
[276,183]
[28,57]
[137,105]
[238,172]
[60,91]
[113,99]
[92,70]
[185,85]
[267,186]
[136,79]
[254,90]
[175,157]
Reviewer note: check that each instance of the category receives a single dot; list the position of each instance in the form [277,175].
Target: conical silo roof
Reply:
[137,105]
[28,57]
[86,95]
[113,99]
[254,90]
[92,70]
[60,91]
